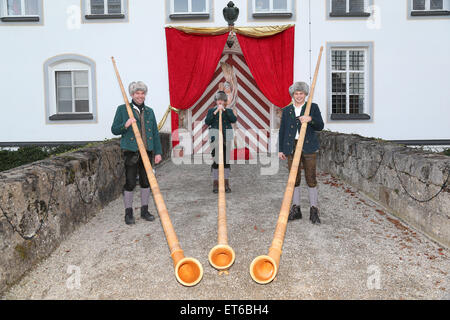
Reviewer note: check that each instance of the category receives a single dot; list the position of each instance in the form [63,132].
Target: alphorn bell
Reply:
[222,255]
[263,269]
[188,271]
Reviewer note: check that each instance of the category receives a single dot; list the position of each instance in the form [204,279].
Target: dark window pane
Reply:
[339,83]
[418,4]
[339,6]
[436,5]
[262,5]
[356,104]
[356,6]
[180,6]
[198,5]
[280,5]
[114,6]
[97,7]
[81,105]
[14,7]
[338,104]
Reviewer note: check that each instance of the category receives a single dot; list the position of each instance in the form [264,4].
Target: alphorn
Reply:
[263,269]
[222,255]
[188,271]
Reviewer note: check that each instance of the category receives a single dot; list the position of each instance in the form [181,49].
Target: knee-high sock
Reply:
[313,196]
[215,174]
[145,195]
[128,199]
[227,173]
[296,198]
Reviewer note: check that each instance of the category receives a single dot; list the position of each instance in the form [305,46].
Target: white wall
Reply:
[411,67]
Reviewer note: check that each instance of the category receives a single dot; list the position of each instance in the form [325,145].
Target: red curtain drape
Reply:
[192,60]
[271,62]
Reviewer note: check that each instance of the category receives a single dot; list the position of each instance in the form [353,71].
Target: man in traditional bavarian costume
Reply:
[212,121]
[146,122]
[291,120]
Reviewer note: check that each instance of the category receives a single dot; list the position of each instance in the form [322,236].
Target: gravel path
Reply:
[359,251]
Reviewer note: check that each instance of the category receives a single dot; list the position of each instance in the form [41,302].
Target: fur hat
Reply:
[221,95]
[137,86]
[299,86]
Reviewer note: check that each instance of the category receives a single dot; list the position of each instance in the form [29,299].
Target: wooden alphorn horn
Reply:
[264,268]
[222,255]
[188,271]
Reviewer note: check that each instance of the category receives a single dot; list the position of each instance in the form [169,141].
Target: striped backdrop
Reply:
[253,110]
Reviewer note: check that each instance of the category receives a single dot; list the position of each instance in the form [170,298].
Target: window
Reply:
[105,9]
[348,81]
[272,8]
[183,9]
[429,7]
[70,88]
[72,91]
[349,8]
[21,10]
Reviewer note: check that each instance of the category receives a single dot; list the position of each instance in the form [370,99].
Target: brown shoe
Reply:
[215,186]
[227,186]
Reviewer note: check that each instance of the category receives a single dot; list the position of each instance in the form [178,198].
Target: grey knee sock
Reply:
[227,173]
[128,199]
[296,198]
[145,195]
[313,197]
[215,174]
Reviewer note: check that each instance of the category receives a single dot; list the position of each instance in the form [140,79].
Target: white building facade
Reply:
[385,72]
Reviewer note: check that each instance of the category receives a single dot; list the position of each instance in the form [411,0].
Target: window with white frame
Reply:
[430,7]
[275,6]
[349,8]
[105,9]
[349,92]
[72,91]
[70,88]
[20,10]
[189,6]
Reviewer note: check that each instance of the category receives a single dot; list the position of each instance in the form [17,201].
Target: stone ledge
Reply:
[393,175]
[80,184]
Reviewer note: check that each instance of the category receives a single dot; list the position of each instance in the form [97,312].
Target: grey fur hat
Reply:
[299,86]
[137,86]
[221,95]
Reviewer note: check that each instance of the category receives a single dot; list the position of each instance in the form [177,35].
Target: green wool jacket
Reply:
[128,140]
[212,121]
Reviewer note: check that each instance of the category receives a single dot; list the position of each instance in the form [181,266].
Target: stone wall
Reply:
[44,202]
[413,184]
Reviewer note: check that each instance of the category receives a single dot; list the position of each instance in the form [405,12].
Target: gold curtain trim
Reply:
[166,115]
[256,32]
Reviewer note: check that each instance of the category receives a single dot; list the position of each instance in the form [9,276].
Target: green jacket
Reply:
[212,121]
[128,140]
